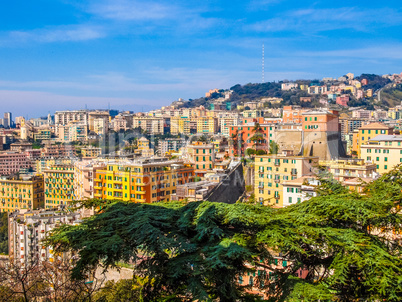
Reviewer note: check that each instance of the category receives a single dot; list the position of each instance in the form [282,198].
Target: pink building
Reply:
[13,162]
[342,100]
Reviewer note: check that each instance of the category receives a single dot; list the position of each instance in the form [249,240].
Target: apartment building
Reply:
[84,173]
[170,144]
[13,162]
[44,163]
[183,125]
[73,132]
[346,169]
[225,122]
[98,117]
[101,126]
[385,151]
[56,151]
[152,125]
[201,156]
[91,152]
[27,230]
[242,136]
[299,189]
[59,185]
[271,171]
[23,192]
[63,118]
[143,180]
[207,124]
[367,132]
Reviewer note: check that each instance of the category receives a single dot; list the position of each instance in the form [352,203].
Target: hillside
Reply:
[392,97]
[257,91]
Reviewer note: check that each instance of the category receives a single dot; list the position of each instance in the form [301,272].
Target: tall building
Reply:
[142,181]
[7,120]
[59,185]
[321,134]
[65,117]
[24,192]
[27,230]
[271,171]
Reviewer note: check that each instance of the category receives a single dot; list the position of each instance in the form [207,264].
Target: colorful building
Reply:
[271,171]
[384,151]
[143,181]
[367,132]
[59,185]
[201,156]
[24,192]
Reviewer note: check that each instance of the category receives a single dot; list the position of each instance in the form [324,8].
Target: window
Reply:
[385,158]
[385,167]
[290,199]
[377,159]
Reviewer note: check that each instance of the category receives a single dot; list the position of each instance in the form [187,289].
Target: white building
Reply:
[27,230]
[299,189]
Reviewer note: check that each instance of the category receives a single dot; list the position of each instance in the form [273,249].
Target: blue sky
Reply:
[68,54]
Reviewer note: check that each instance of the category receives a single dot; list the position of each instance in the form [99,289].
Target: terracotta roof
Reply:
[375,126]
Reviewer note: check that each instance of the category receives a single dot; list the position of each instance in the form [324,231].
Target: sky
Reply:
[140,55]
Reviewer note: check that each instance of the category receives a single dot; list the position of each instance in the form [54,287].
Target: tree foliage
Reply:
[3,233]
[198,250]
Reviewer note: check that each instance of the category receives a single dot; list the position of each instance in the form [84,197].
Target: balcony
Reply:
[261,187]
[277,180]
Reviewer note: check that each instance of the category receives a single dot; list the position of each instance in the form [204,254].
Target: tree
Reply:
[273,147]
[344,241]
[3,233]
[46,281]
[250,152]
[258,136]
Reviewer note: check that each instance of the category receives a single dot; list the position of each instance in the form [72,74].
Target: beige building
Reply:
[98,117]
[201,156]
[271,171]
[24,192]
[84,173]
[152,125]
[91,152]
[383,151]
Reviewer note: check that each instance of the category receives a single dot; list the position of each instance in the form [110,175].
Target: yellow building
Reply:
[143,181]
[367,132]
[21,193]
[183,125]
[271,171]
[59,185]
[384,151]
[207,124]
[45,162]
[42,134]
[346,169]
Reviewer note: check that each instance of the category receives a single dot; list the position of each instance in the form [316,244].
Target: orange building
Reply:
[293,114]
[242,137]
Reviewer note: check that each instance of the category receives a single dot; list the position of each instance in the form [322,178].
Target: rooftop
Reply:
[386,138]
[375,126]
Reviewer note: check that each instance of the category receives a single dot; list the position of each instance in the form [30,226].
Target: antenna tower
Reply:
[263,57]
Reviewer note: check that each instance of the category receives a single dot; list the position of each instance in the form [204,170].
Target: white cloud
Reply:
[56,34]
[132,10]
[319,20]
